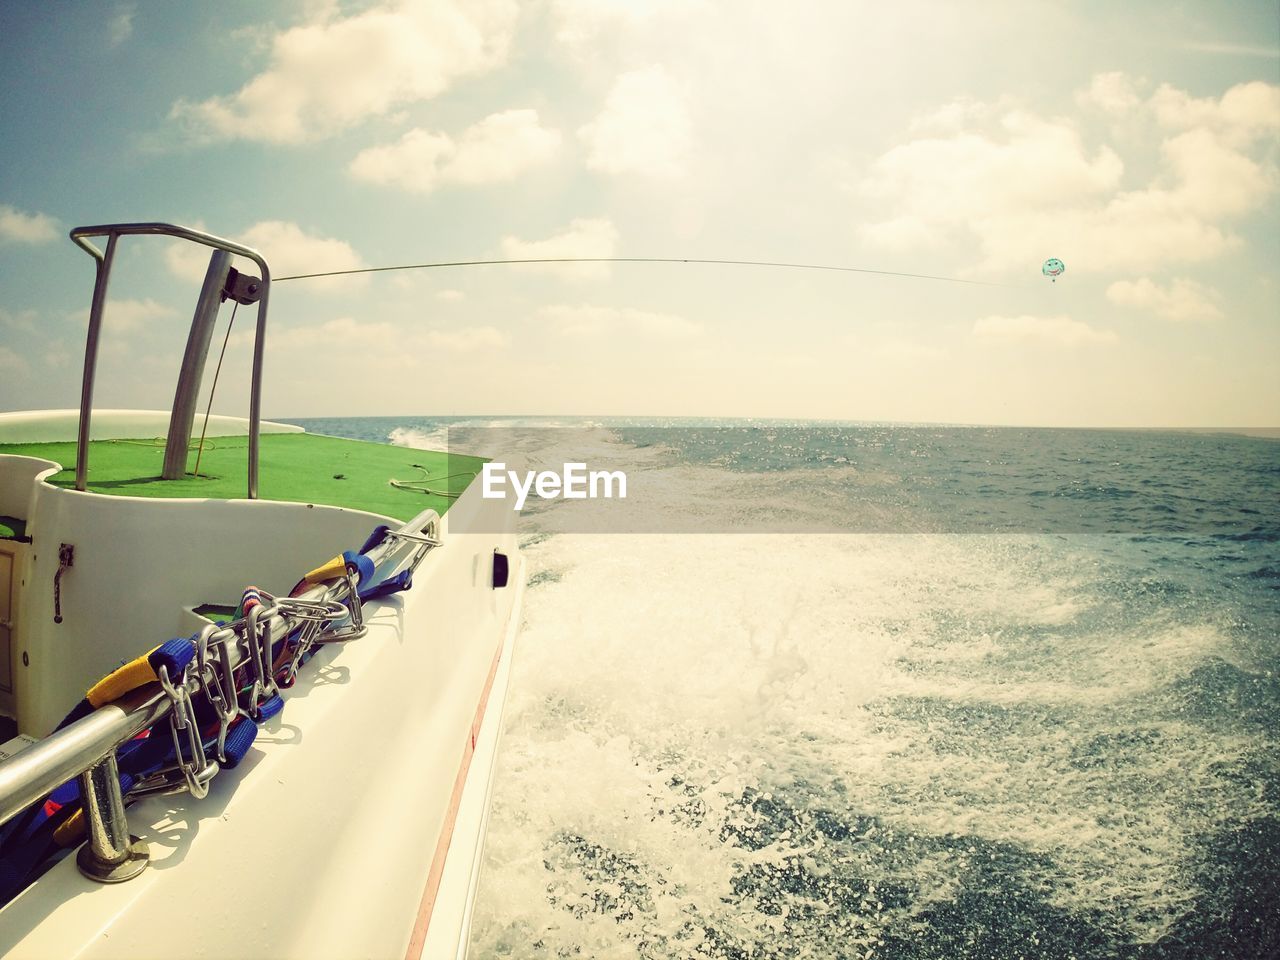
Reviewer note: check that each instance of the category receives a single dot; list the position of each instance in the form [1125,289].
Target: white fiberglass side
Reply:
[16,477]
[137,563]
[321,842]
[448,937]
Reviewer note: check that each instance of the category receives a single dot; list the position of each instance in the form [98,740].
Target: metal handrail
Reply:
[59,757]
[65,753]
[102,261]
[32,774]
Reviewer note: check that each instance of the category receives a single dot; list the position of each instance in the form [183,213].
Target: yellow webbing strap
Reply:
[121,680]
[70,830]
[333,570]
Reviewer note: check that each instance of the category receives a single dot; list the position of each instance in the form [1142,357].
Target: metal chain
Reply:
[337,617]
[196,768]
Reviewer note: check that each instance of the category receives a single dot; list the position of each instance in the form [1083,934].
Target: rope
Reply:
[736,263]
[153,442]
[213,387]
[419,486]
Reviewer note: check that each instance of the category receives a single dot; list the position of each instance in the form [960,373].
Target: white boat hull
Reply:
[354,826]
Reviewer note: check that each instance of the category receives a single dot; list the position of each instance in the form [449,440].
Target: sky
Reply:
[1139,143]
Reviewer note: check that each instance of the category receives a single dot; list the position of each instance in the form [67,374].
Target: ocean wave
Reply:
[908,747]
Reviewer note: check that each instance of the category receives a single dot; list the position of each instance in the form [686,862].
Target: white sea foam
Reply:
[773,743]
[418,439]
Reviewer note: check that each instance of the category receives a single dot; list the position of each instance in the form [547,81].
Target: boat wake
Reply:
[869,746]
[911,746]
[899,746]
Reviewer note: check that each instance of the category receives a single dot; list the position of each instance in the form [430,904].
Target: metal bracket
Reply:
[356,628]
[241,287]
[66,560]
[111,854]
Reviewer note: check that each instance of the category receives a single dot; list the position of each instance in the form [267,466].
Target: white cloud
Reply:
[468,339]
[370,335]
[958,115]
[580,25]
[188,260]
[385,341]
[591,321]
[1115,93]
[985,180]
[130,316]
[286,247]
[1182,300]
[19,227]
[644,129]
[1236,49]
[413,162]
[350,330]
[1025,188]
[382,345]
[583,238]
[1213,180]
[1061,331]
[23,320]
[329,75]
[120,26]
[1243,113]
[57,355]
[450,295]
[12,362]
[499,147]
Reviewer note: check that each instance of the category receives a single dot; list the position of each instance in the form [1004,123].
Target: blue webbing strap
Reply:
[401,581]
[379,534]
[239,739]
[369,587]
[269,708]
[362,564]
[173,655]
[27,841]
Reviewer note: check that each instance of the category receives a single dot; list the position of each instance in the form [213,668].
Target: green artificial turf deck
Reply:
[296,467]
[217,612]
[12,528]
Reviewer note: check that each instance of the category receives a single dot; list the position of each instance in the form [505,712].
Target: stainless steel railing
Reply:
[103,261]
[86,748]
[66,753]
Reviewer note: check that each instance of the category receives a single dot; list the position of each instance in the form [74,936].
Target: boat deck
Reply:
[293,467]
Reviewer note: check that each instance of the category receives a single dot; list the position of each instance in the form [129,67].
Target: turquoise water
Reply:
[1019,700]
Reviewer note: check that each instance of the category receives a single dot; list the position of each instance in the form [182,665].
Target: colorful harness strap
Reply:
[173,655]
[57,822]
[369,586]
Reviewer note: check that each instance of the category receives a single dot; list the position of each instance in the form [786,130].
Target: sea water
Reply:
[988,693]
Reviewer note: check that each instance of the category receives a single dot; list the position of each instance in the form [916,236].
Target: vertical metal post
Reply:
[255,389]
[91,360]
[192,370]
[110,855]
